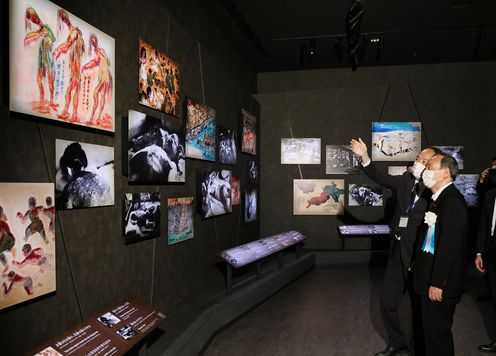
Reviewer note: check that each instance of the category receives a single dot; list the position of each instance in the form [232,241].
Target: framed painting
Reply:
[318,196]
[396,141]
[200,131]
[249,135]
[61,68]
[181,223]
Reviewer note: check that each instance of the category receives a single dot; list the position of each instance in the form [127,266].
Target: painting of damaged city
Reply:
[466,184]
[141,218]
[396,170]
[249,137]
[180,227]
[84,175]
[455,151]
[250,204]
[300,150]
[318,196]
[158,80]
[27,242]
[155,149]
[396,141]
[365,195]
[215,193]
[200,131]
[61,68]
[235,191]
[341,160]
[228,153]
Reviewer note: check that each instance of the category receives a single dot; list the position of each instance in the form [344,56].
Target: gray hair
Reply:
[447,161]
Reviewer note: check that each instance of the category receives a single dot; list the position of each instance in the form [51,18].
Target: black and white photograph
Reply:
[228,153]
[455,151]
[215,193]
[466,184]
[108,319]
[141,216]
[250,204]
[155,149]
[300,150]
[84,175]
[365,195]
[341,160]
[126,332]
[252,171]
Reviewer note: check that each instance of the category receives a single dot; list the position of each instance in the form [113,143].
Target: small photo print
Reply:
[126,332]
[109,320]
[49,351]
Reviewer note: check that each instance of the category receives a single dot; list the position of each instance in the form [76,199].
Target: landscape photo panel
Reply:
[215,193]
[228,151]
[180,220]
[159,84]
[141,216]
[249,135]
[27,244]
[84,175]
[251,207]
[466,184]
[340,159]
[318,196]
[156,152]
[455,151]
[61,68]
[300,150]
[396,141]
[365,195]
[200,131]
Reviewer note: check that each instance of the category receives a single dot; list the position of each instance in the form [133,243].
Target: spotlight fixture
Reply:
[307,51]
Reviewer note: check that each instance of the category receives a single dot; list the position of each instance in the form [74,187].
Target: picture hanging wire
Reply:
[288,116]
[66,250]
[424,132]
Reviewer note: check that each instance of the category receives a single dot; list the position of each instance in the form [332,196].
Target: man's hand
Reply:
[483,175]
[360,149]
[435,294]
[479,264]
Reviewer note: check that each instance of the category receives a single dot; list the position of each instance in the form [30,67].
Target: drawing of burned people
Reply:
[155,150]
[84,175]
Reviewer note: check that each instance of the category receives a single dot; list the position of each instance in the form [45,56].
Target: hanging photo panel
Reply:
[300,150]
[141,220]
[156,151]
[159,84]
[318,196]
[84,175]
[61,68]
[249,136]
[396,141]
[27,244]
[181,223]
[200,131]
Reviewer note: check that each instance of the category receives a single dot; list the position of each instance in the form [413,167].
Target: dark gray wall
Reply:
[456,104]
[95,269]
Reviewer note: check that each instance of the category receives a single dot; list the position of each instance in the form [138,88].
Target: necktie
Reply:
[413,197]
[493,224]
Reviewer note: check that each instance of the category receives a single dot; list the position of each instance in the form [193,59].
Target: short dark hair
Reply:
[447,161]
[437,151]
[493,159]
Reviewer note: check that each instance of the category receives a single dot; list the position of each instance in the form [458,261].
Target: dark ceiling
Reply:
[270,33]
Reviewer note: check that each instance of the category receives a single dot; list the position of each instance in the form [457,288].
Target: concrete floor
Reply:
[335,311]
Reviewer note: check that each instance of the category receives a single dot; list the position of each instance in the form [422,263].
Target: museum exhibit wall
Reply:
[455,102]
[95,269]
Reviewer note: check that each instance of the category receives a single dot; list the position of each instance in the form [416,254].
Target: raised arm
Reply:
[386,180]
[33,36]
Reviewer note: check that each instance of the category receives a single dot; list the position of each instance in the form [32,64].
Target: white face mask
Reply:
[428,178]
[418,168]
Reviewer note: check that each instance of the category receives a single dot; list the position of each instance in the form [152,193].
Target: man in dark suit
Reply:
[410,205]
[440,263]
[486,251]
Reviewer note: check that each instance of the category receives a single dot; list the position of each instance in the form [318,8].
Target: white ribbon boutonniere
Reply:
[430,218]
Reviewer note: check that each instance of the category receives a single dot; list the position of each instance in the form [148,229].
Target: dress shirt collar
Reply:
[438,193]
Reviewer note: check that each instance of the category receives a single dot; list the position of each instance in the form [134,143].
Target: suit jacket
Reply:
[403,185]
[445,268]
[485,244]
